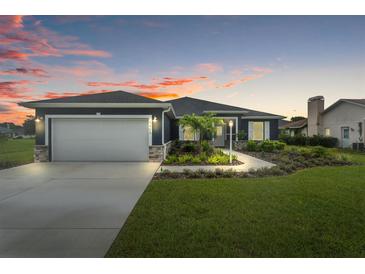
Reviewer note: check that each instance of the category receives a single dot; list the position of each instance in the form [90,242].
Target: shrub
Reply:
[206,147]
[217,159]
[196,160]
[182,159]
[241,135]
[266,146]
[190,147]
[251,145]
[171,159]
[316,140]
[279,145]
[319,151]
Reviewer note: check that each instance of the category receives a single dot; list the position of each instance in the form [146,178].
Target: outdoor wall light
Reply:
[154,119]
[230,123]
[37,120]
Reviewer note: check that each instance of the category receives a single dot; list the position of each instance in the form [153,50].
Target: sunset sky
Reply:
[268,63]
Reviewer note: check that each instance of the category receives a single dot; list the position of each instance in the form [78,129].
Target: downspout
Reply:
[163,131]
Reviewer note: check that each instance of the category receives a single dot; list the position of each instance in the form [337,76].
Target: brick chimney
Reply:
[315,107]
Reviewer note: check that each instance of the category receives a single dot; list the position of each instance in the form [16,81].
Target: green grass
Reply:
[16,152]
[354,156]
[316,212]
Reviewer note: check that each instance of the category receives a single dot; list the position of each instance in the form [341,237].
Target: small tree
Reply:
[204,125]
[29,125]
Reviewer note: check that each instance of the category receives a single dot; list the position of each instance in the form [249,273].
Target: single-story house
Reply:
[121,126]
[344,120]
[295,128]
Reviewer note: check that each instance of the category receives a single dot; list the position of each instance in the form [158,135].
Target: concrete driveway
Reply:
[67,209]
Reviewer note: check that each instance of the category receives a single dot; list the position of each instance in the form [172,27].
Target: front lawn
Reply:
[16,152]
[316,212]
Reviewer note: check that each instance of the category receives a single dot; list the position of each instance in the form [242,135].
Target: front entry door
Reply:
[219,137]
[345,137]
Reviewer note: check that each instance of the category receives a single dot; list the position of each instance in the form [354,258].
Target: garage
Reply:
[99,139]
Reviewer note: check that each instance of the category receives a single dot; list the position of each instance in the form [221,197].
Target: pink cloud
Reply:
[13,55]
[8,22]
[40,41]
[15,90]
[85,52]
[37,72]
[255,73]
[11,112]
[209,67]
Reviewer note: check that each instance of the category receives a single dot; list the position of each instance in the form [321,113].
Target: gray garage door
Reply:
[99,139]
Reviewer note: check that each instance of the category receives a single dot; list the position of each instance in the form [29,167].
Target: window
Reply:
[327,132]
[188,134]
[258,131]
[345,133]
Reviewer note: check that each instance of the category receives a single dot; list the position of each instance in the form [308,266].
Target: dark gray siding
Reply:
[167,132]
[274,129]
[174,130]
[156,130]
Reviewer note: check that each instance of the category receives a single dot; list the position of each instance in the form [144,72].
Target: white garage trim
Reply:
[98,116]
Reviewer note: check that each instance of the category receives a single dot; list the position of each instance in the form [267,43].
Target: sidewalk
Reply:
[249,162]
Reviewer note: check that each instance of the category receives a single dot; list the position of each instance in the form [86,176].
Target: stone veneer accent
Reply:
[40,153]
[157,153]
[239,145]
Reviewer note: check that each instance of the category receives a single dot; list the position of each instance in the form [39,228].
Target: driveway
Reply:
[67,209]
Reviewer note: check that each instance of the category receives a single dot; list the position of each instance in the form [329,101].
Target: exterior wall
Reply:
[156,126]
[167,132]
[315,107]
[344,115]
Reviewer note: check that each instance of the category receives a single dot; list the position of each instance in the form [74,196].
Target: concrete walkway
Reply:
[249,163]
[67,209]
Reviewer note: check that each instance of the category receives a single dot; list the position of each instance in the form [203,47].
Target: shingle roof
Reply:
[106,97]
[296,124]
[188,105]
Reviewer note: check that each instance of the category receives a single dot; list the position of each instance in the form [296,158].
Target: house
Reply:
[295,128]
[5,131]
[121,126]
[11,131]
[344,120]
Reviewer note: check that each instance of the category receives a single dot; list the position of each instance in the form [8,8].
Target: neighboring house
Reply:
[121,126]
[11,132]
[345,120]
[295,128]
[4,131]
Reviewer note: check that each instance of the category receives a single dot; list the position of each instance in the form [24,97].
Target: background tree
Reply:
[296,118]
[29,125]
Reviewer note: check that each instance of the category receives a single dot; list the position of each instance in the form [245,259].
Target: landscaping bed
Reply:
[190,153]
[287,159]
[292,158]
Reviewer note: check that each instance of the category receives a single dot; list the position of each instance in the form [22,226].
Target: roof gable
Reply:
[296,124]
[106,97]
[358,102]
[188,105]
